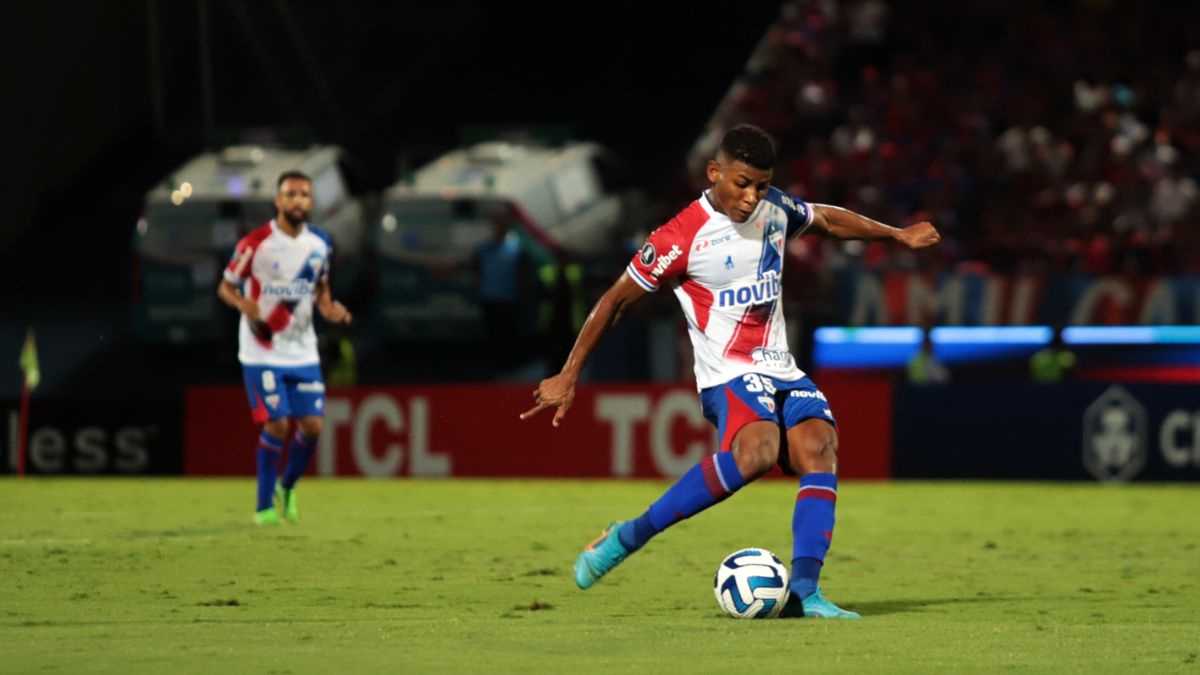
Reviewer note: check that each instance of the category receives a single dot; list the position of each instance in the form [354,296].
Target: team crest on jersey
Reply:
[768,402]
[648,254]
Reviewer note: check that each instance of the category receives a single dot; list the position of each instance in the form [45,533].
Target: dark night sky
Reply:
[110,97]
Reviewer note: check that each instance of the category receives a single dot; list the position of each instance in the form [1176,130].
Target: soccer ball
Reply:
[751,584]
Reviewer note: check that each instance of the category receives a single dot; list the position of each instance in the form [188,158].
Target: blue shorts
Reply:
[753,397]
[281,391]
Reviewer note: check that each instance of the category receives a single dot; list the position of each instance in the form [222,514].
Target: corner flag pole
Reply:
[23,428]
[32,375]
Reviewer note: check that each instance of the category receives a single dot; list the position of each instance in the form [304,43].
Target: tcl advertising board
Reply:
[641,431]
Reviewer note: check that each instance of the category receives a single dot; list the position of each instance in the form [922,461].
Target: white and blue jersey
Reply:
[280,273]
[281,371]
[727,277]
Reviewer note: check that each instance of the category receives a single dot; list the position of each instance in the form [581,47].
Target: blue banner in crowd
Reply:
[968,299]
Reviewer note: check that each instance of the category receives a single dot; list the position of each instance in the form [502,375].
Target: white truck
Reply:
[570,199]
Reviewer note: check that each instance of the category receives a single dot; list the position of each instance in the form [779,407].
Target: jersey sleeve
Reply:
[239,265]
[799,212]
[661,258]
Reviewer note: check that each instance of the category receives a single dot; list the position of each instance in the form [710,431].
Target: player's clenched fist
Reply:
[335,312]
[921,235]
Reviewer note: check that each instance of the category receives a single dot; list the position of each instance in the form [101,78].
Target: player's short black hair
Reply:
[751,145]
[288,175]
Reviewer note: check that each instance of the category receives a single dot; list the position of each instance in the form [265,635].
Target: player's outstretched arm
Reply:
[559,391]
[331,310]
[840,223]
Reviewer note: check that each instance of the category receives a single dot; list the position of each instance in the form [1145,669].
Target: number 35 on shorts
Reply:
[800,399]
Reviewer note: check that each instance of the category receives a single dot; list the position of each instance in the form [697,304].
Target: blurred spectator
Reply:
[338,357]
[563,308]
[1053,364]
[1173,196]
[925,368]
[499,264]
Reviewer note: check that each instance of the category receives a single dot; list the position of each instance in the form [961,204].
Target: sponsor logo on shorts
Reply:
[804,393]
[311,387]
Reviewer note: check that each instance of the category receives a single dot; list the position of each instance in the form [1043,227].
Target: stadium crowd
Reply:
[1079,155]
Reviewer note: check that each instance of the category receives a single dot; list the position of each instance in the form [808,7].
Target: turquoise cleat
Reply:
[600,556]
[815,606]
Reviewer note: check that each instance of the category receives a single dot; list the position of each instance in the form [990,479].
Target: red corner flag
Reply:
[33,375]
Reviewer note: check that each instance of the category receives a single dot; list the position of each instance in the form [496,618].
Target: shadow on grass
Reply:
[190,621]
[188,532]
[916,604]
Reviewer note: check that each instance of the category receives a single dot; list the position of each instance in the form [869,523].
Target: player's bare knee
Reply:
[814,450]
[312,426]
[277,428]
[755,455]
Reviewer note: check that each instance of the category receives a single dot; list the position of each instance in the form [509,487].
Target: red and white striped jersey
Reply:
[728,279]
[280,273]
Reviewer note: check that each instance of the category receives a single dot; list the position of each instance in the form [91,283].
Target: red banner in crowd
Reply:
[645,431]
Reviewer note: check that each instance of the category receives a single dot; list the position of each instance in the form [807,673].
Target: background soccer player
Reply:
[285,267]
[723,257]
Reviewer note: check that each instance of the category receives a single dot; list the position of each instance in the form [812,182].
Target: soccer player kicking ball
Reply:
[284,265]
[723,258]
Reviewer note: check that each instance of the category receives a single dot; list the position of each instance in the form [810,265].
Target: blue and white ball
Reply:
[751,584]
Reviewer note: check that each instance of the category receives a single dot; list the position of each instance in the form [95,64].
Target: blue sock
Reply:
[298,454]
[812,530]
[268,469]
[714,478]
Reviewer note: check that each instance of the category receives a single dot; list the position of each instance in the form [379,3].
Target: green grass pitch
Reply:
[475,576]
